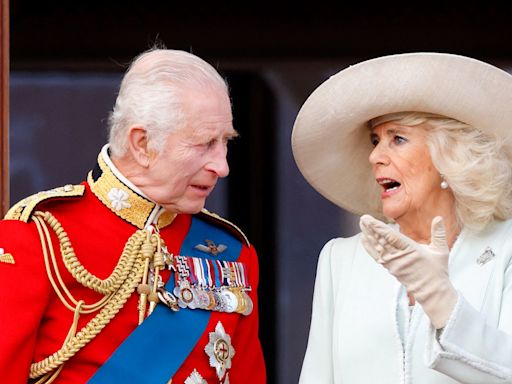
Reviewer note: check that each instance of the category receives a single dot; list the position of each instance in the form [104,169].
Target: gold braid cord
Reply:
[117,288]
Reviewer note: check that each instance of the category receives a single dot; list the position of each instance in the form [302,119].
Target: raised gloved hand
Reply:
[421,268]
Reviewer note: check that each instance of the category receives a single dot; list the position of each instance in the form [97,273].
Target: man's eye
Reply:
[374,140]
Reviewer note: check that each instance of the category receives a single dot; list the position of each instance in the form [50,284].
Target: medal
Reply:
[230,300]
[212,304]
[242,303]
[202,299]
[168,299]
[249,304]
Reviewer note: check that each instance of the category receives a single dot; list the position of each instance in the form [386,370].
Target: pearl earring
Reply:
[444,183]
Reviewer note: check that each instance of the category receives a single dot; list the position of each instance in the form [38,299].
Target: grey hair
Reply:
[476,165]
[151,95]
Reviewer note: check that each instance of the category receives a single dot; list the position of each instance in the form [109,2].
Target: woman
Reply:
[424,142]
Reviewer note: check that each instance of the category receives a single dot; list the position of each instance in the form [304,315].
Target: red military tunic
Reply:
[35,322]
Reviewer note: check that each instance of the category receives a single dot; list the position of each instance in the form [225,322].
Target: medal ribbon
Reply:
[166,337]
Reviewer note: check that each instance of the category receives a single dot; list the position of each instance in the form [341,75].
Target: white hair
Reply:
[476,165]
[151,95]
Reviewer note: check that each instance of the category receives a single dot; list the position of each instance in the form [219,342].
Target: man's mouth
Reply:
[388,184]
[202,187]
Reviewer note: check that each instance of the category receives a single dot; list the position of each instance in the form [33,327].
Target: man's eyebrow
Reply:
[233,135]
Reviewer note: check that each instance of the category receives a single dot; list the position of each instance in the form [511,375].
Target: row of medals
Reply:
[230,299]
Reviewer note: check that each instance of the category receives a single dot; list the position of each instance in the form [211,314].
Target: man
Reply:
[126,278]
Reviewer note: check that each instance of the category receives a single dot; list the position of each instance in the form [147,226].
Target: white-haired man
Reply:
[125,277]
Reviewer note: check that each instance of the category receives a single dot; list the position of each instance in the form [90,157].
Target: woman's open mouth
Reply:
[388,185]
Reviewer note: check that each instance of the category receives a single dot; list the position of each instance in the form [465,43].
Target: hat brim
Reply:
[330,138]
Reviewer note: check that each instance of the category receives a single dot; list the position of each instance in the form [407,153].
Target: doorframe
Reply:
[4,106]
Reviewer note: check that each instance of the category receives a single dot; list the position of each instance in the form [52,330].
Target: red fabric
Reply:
[34,322]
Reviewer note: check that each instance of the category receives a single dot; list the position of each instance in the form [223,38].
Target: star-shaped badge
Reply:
[220,350]
[195,378]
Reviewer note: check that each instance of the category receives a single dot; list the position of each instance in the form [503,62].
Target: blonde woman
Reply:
[419,145]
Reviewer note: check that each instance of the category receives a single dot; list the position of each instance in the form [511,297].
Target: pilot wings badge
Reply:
[211,247]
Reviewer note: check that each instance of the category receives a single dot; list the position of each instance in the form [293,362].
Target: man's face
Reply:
[184,173]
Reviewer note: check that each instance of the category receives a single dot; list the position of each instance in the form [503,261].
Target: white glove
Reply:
[421,268]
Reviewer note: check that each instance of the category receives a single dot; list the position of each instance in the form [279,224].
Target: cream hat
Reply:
[330,138]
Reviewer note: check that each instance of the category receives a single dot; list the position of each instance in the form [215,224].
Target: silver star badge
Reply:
[486,256]
[211,247]
[195,378]
[220,350]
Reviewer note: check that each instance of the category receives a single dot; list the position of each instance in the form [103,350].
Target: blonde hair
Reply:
[476,165]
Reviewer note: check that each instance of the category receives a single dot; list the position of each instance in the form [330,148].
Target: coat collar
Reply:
[122,197]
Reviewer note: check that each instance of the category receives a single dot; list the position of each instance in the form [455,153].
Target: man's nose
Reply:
[219,164]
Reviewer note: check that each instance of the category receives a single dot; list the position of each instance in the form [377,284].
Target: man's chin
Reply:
[190,209]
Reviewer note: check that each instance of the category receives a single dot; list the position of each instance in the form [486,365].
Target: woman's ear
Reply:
[138,145]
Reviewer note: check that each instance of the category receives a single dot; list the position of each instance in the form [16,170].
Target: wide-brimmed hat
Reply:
[330,138]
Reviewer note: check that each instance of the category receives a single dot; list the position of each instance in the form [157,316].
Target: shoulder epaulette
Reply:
[224,223]
[23,209]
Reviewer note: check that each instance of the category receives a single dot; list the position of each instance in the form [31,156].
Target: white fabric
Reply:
[355,333]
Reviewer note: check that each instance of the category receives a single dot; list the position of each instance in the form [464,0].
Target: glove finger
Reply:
[370,221]
[395,240]
[438,233]
[390,239]
[371,247]
[364,222]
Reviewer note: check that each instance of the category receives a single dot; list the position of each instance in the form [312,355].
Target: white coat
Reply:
[357,331]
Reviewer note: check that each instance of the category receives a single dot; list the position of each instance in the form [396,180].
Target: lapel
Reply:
[475,280]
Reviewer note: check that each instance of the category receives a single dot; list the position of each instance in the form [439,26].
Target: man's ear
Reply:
[138,145]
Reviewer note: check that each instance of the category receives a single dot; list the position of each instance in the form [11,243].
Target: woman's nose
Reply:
[378,155]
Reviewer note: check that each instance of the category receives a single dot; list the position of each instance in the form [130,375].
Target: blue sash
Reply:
[155,350]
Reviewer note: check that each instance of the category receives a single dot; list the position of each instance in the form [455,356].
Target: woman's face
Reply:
[403,168]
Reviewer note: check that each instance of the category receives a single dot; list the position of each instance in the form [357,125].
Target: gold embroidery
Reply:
[165,219]
[23,210]
[228,224]
[6,258]
[122,200]
[139,208]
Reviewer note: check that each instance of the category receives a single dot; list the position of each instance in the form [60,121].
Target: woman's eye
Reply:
[374,139]
[399,139]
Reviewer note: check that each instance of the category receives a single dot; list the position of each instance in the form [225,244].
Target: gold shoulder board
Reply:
[224,223]
[24,208]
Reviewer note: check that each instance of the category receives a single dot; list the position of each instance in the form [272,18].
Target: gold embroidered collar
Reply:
[122,197]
